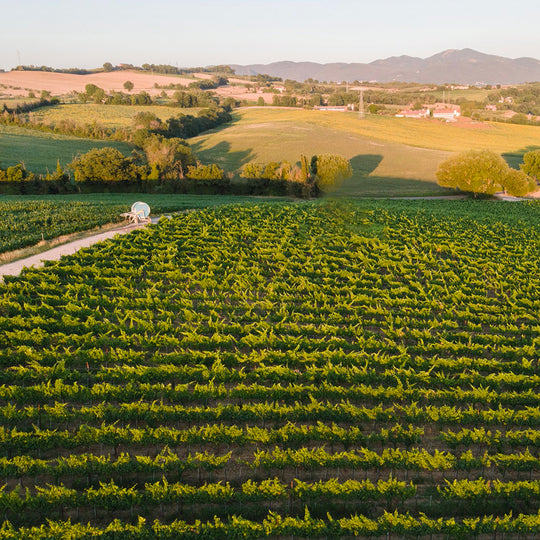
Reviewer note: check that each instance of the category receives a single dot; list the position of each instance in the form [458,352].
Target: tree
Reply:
[103,165]
[146,120]
[99,96]
[271,170]
[16,173]
[252,170]
[316,100]
[229,103]
[90,89]
[205,172]
[517,183]
[142,98]
[531,165]
[330,170]
[170,157]
[107,66]
[128,85]
[474,171]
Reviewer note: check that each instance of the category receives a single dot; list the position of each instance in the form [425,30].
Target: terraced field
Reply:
[317,369]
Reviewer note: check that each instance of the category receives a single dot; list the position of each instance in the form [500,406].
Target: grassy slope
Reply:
[390,156]
[106,115]
[39,151]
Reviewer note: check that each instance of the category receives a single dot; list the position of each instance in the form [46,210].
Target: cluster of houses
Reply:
[443,111]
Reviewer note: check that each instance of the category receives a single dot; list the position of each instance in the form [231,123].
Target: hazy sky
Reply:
[77,33]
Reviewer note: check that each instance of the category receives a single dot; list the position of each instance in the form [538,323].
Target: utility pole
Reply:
[361,105]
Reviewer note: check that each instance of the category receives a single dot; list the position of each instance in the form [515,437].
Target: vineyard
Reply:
[25,223]
[36,218]
[365,370]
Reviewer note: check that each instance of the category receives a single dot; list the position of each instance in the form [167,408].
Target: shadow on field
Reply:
[365,164]
[363,184]
[515,159]
[386,186]
[222,154]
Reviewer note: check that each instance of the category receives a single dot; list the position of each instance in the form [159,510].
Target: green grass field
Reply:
[159,203]
[390,156]
[107,115]
[40,151]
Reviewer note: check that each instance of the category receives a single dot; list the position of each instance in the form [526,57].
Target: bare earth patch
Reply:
[64,83]
[19,83]
[469,123]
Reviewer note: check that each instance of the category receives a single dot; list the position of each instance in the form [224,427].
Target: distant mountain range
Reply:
[464,66]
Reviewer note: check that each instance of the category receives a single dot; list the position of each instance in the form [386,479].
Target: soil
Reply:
[20,82]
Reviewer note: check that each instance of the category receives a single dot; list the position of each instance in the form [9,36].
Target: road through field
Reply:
[14,268]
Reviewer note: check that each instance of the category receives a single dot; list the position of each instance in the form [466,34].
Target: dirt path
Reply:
[14,268]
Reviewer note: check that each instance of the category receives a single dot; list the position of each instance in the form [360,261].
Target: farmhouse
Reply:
[450,114]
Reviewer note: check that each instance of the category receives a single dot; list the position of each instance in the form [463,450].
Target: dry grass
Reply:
[390,156]
[113,116]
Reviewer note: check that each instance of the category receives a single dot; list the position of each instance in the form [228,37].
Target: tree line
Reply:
[183,125]
[167,164]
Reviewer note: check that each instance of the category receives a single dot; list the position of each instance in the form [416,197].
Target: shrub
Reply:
[473,171]
[531,165]
[330,170]
[206,172]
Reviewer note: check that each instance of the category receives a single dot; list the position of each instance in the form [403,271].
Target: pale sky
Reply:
[81,33]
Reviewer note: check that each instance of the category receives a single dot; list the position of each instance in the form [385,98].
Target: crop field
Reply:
[25,223]
[111,116]
[12,102]
[364,370]
[40,151]
[28,220]
[389,156]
